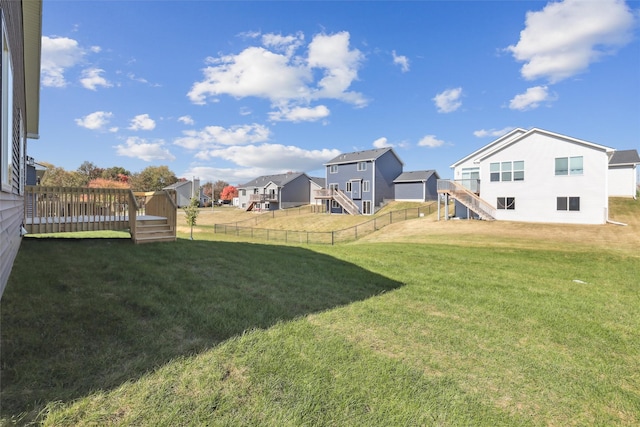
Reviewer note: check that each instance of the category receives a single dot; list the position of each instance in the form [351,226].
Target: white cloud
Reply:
[142,149]
[381,143]
[402,61]
[215,136]
[266,72]
[234,176]
[482,133]
[91,79]
[565,37]
[58,55]
[531,98]
[95,121]
[449,100]
[187,120]
[142,122]
[430,141]
[300,114]
[275,157]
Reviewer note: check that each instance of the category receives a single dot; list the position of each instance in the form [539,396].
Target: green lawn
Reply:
[218,332]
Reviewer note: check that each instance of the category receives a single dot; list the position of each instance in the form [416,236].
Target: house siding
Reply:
[623,181]
[349,172]
[409,191]
[388,168]
[535,196]
[295,192]
[11,201]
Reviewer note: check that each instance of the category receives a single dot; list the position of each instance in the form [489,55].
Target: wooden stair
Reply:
[469,199]
[346,203]
[153,230]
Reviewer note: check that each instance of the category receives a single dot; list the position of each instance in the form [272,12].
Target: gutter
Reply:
[616,223]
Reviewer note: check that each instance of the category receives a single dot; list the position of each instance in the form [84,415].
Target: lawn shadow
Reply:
[85,315]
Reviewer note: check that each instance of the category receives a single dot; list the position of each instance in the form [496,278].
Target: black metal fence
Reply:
[242,229]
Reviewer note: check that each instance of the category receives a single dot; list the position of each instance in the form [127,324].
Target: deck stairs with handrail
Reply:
[468,198]
[346,203]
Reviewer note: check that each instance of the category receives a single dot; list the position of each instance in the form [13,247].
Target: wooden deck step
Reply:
[153,230]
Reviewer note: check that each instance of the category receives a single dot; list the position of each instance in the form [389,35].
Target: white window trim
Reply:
[6,151]
[333,169]
[361,166]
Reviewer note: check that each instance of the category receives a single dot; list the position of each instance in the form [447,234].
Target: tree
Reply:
[191,212]
[152,178]
[218,186]
[58,177]
[229,192]
[106,183]
[89,172]
[116,173]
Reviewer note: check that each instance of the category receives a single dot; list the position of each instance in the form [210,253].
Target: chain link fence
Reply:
[247,228]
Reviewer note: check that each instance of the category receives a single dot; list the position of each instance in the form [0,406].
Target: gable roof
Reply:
[518,135]
[320,182]
[280,180]
[177,184]
[624,157]
[361,156]
[416,176]
[493,144]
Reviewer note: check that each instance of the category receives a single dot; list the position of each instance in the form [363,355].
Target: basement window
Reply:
[568,204]
[508,203]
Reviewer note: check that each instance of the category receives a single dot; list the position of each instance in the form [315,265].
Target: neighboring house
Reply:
[20,92]
[417,186]
[185,191]
[315,184]
[535,176]
[359,182]
[272,192]
[623,178]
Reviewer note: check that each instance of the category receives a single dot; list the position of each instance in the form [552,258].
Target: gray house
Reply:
[359,182]
[417,186]
[273,192]
[185,191]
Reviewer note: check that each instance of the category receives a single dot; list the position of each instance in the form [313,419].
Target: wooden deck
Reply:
[146,216]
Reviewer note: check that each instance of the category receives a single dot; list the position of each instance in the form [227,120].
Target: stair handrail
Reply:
[466,197]
[346,202]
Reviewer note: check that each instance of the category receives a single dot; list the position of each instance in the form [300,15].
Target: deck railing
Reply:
[60,209]
[63,209]
[467,198]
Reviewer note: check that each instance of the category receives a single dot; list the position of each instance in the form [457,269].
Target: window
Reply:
[508,203]
[334,204]
[569,165]
[507,171]
[568,203]
[6,152]
[366,186]
[362,166]
[518,170]
[348,187]
[333,169]
[495,172]
[243,192]
[366,207]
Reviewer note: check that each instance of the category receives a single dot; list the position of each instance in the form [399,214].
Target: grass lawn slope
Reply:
[434,327]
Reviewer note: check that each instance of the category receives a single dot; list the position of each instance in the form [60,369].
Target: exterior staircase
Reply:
[469,199]
[153,229]
[346,203]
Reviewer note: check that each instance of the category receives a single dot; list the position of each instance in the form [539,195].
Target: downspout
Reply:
[373,190]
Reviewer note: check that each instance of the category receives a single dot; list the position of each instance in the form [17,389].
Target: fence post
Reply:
[332,240]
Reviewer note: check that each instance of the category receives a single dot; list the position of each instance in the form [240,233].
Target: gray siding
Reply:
[409,191]
[295,192]
[11,201]
[388,168]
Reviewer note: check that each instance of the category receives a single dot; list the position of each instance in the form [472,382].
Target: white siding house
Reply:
[540,176]
[623,173]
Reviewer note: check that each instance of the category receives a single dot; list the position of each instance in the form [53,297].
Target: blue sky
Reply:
[234,90]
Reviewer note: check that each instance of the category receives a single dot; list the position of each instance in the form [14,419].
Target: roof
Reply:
[32,33]
[624,157]
[321,182]
[175,185]
[518,135]
[280,180]
[495,143]
[416,176]
[361,156]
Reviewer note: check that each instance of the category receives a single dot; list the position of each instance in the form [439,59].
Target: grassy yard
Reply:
[454,323]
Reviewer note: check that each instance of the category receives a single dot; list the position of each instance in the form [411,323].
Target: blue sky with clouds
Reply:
[234,90]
